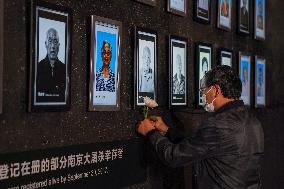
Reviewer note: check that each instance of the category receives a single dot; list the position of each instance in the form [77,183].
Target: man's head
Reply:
[204,64]
[146,57]
[106,53]
[52,44]
[221,85]
[178,64]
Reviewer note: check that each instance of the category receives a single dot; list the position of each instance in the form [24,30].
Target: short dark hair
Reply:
[105,42]
[227,79]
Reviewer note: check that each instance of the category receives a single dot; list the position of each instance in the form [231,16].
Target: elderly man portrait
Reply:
[178,79]
[51,72]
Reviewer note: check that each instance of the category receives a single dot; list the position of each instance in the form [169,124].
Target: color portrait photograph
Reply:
[244,72]
[224,14]
[104,64]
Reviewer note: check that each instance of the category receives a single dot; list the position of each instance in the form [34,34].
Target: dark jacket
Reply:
[226,150]
[50,82]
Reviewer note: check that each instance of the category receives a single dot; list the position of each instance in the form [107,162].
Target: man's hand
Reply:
[161,126]
[145,126]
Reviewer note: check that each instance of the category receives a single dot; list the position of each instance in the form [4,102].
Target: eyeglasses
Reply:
[203,90]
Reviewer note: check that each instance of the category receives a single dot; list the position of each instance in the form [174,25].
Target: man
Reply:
[244,22]
[178,79]
[146,74]
[260,15]
[227,147]
[51,72]
[105,78]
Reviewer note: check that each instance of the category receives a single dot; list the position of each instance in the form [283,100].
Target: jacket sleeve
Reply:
[204,144]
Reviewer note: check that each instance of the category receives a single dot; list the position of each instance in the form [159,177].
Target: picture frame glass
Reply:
[50,65]
[178,75]
[204,65]
[244,73]
[145,66]
[105,65]
[224,14]
[260,83]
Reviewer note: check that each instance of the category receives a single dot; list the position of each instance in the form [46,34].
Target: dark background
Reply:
[23,131]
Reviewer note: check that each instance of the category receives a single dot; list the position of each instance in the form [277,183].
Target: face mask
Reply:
[208,107]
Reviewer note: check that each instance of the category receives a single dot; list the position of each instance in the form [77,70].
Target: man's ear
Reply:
[218,89]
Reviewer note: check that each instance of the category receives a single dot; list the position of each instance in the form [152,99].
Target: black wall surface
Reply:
[23,131]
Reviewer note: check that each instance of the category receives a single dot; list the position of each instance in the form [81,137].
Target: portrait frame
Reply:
[225,57]
[105,96]
[152,3]
[177,10]
[1,52]
[49,78]
[202,15]
[243,27]
[145,42]
[203,50]
[260,96]
[178,49]
[223,22]
[245,62]
[259,20]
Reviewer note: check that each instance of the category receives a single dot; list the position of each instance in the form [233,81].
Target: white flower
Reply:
[149,102]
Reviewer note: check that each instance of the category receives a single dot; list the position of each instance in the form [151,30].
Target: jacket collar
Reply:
[230,105]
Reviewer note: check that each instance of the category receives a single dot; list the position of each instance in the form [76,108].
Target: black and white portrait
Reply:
[244,15]
[178,64]
[146,65]
[50,84]
[204,65]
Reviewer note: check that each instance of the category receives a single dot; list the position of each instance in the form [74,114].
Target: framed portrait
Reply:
[105,53]
[226,57]
[50,59]
[1,51]
[259,19]
[224,19]
[244,73]
[244,16]
[148,2]
[202,11]
[260,81]
[177,7]
[178,71]
[204,64]
[145,65]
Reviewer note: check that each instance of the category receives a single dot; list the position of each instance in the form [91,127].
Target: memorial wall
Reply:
[78,130]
